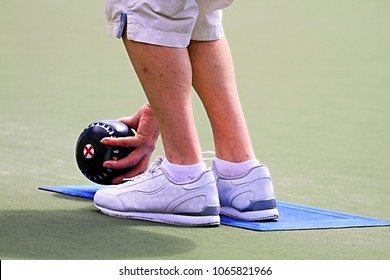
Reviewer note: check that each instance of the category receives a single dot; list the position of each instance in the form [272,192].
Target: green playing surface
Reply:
[314,83]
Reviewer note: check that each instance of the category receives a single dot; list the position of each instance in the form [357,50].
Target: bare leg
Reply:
[166,76]
[214,81]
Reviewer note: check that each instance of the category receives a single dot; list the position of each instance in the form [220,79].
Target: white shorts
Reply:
[171,23]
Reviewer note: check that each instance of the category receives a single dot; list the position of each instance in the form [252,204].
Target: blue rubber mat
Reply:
[291,216]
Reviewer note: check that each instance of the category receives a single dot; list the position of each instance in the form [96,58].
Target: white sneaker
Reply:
[155,197]
[250,197]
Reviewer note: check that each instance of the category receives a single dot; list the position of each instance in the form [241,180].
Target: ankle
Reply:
[233,169]
[183,173]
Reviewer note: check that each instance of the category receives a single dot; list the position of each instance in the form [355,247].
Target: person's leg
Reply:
[214,81]
[244,185]
[166,76]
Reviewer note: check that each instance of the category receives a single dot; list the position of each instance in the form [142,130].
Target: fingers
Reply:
[129,161]
[144,143]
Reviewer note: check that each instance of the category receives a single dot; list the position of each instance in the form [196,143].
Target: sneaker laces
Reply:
[155,166]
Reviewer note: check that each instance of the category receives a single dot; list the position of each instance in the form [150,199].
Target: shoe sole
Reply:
[269,214]
[173,219]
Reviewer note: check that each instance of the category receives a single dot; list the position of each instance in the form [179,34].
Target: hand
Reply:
[144,143]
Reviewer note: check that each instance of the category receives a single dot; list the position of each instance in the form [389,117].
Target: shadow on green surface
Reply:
[82,234]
